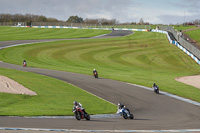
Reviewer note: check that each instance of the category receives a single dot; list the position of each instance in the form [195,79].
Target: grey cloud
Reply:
[175,19]
[192,6]
[62,9]
[122,10]
[190,9]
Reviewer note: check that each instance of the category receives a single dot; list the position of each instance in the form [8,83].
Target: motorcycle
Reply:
[80,113]
[126,113]
[156,89]
[24,64]
[96,75]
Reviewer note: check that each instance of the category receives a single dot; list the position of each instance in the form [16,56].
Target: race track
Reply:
[151,111]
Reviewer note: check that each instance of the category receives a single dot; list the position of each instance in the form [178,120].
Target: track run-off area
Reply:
[153,113]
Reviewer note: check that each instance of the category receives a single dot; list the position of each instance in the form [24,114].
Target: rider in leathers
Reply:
[120,107]
[94,71]
[155,86]
[76,104]
[24,63]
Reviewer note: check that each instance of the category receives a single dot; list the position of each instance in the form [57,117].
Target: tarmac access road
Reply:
[151,111]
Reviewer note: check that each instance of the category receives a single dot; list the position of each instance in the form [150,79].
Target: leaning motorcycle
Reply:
[80,113]
[96,75]
[156,89]
[24,64]
[126,114]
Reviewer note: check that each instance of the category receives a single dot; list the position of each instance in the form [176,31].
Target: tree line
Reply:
[25,18]
[100,21]
[29,18]
[194,22]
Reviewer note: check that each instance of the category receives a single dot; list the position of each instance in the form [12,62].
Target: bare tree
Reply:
[91,21]
[141,21]
[197,22]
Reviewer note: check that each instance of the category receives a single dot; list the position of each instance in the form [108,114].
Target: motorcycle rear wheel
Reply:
[131,116]
[87,116]
[156,91]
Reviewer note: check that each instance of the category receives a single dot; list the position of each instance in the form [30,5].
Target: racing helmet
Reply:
[75,103]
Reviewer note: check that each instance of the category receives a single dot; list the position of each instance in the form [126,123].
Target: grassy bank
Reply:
[194,34]
[19,33]
[142,58]
[55,97]
[181,27]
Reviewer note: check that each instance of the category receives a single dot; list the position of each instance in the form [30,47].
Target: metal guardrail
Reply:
[83,25]
[184,43]
[172,40]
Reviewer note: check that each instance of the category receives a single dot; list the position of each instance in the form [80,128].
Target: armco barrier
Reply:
[187,45]
[179,46]
[88,28]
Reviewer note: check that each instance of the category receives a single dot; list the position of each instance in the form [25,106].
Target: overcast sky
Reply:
[153,11]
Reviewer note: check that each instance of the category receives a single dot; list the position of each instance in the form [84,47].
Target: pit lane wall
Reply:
[178,45]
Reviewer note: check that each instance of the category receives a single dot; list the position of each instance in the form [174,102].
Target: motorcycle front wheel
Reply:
[125,115]
[77,116]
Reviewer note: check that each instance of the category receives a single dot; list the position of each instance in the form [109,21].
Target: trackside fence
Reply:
[98,25]
[89,28]
[182,44]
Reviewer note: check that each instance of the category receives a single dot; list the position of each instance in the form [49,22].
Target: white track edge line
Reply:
[170,95]
[77,130]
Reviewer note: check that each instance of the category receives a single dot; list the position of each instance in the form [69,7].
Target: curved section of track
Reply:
[151,111]
[113,34]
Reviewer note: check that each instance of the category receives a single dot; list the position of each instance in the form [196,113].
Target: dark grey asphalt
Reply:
[10,131]
[116,33]
[151,111]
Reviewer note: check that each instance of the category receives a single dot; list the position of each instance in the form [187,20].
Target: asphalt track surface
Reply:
[151,111]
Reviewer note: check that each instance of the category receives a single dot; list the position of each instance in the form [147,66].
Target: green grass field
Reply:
[181,27]
[19,33]
[55,97]
[194,34]
[142,58]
